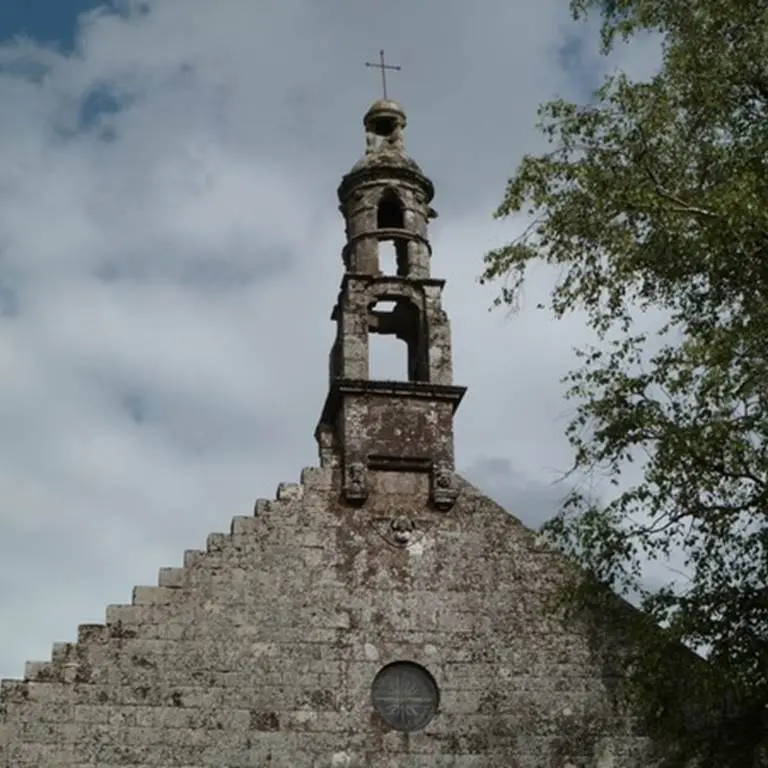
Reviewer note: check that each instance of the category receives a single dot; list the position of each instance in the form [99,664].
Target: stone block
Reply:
[289,492]
[171,578]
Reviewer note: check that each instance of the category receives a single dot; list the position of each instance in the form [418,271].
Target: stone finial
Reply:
[384,123]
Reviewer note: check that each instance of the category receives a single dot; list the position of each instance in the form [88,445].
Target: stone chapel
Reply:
[380,613]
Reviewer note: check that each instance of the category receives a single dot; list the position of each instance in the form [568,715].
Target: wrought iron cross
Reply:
[383,67]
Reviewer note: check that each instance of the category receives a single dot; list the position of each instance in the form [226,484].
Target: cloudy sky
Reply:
[170,252]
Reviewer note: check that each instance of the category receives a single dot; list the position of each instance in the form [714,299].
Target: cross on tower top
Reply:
[383,67]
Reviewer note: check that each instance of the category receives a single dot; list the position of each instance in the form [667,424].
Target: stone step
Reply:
[39,670]
[317,478]
[312,479]
[193,557]
[289,492]
[153,595]
[62,651]
[216,542]
[262,507]
[171,578]
[92,633]
[243,525]
[124,616]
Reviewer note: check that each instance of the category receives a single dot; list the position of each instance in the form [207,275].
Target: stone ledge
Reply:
[243,525]
[154,595]
[289,492]
[193,557]
[34,670]
[171,578]
[262,507]
[62,651]
[216,542]
[317,478]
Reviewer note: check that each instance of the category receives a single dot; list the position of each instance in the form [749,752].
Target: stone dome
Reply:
[384,159]
[384,116]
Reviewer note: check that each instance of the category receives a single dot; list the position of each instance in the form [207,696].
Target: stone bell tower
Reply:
[369,425]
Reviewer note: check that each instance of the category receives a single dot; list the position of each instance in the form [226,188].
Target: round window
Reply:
[405,696]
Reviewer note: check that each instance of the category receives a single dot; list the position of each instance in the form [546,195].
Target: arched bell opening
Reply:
[396,318]
[390,213]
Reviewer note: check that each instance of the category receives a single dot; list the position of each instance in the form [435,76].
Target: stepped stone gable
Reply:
[382,612]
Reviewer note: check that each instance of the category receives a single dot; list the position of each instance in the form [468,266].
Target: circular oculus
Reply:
[405,696]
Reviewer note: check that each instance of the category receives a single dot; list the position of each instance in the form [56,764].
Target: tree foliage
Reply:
[654,199]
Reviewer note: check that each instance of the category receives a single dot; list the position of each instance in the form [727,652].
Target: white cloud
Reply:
[174,264]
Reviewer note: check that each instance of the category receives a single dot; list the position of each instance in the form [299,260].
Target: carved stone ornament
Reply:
[444,488]
[355,483]
[402,528]
[399,532]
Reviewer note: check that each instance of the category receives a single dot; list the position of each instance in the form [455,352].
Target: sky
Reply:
[170,253]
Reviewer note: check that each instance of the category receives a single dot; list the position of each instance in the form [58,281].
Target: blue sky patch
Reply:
[46,21]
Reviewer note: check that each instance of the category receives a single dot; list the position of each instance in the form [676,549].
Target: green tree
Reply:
[654,197]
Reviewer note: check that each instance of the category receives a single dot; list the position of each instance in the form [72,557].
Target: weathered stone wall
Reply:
[377,423]
[261,650]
